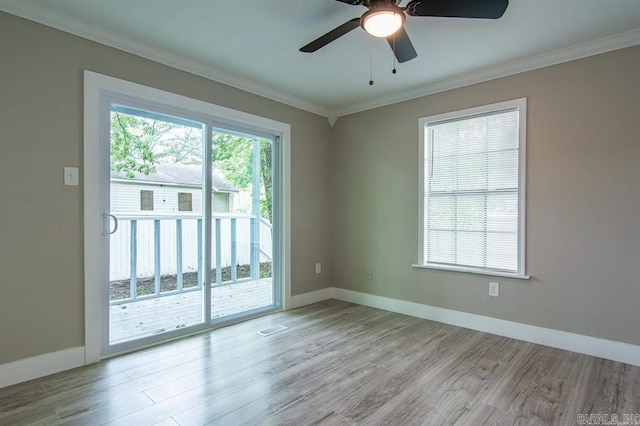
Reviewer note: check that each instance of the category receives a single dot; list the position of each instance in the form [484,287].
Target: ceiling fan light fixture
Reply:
[382,21]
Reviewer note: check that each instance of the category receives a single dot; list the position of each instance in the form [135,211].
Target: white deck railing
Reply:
[152,246]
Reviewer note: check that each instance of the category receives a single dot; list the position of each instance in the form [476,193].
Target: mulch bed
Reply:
[120,289]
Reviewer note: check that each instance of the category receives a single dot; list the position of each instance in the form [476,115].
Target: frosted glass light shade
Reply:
[382,22]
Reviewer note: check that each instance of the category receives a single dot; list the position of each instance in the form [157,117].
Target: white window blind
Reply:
[472,192]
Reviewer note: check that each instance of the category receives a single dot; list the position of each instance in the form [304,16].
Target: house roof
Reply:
[180,174]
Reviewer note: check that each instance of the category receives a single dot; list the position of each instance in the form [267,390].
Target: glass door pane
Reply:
[242,232]
[156,196]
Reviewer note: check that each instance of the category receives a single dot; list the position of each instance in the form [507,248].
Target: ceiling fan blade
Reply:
[331,35]
[487,9]
[402,46]
[352,2]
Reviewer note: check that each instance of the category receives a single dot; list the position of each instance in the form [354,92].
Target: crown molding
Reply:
[591,48]
[55,20]
[50,18]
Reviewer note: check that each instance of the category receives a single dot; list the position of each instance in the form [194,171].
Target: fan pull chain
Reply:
[370,61]
[394,55]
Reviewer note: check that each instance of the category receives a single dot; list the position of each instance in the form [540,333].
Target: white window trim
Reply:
[521,105]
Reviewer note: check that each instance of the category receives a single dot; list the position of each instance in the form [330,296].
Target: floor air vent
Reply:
[271,330]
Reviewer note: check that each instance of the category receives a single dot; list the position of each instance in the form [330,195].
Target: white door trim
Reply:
[94,85]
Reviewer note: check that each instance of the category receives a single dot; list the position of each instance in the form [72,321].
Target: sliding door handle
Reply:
[115,224]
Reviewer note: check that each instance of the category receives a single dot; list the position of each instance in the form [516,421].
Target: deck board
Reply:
[142,318]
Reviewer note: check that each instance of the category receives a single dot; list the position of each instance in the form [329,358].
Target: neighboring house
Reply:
[171,188]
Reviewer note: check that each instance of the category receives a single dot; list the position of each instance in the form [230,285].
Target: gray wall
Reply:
[41,224]
[583,201]
[357,182]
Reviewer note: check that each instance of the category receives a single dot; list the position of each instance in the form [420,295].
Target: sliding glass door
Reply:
[243,224]
[191,223]
[156,197]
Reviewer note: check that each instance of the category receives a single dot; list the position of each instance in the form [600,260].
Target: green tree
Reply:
[131,145]
[233,155]
[266,169]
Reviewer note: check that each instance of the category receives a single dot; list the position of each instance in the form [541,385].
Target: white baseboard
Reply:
[608,349]
[43,365]
[311,297]
[40,366]
[603,348]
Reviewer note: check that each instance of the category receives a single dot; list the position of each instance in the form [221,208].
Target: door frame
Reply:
[95,258]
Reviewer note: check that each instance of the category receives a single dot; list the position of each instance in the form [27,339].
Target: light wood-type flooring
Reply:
[336,364]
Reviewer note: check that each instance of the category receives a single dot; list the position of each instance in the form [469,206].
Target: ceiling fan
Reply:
[386,19]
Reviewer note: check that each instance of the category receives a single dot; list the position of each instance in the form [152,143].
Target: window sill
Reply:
[472,271]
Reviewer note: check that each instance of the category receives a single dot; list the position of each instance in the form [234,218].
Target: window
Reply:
[146,200]
[220,202]
[472,181]
[185,202]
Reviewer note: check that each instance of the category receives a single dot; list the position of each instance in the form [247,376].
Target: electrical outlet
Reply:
[494,289]
[369,275]
[318,268]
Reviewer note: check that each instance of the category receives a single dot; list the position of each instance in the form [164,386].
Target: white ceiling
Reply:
[253,44]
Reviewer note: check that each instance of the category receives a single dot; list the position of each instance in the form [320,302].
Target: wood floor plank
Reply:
[235,411]
[537,384]
[423,395]
[13,397]
[80,413]
[29,414]
[479,414]
[603,386]
[336,364]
